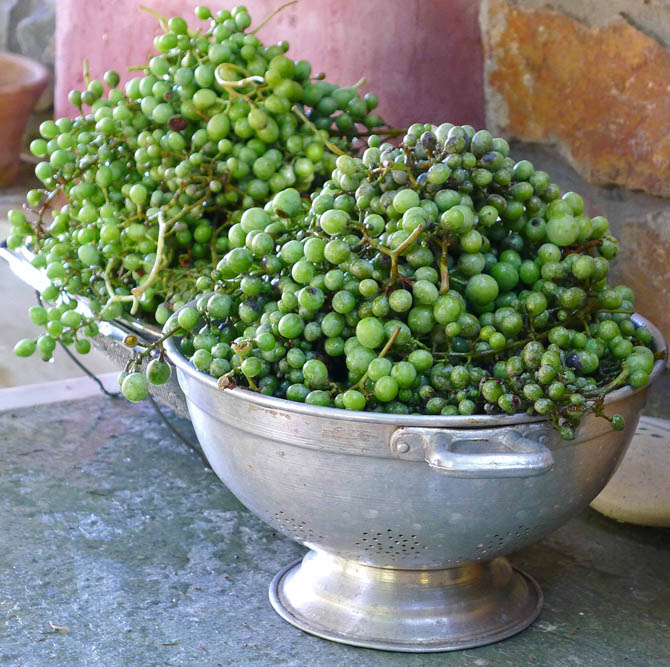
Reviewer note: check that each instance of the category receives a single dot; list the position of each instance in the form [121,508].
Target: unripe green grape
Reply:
[82,346]
[46,345]
[158,372]
[354,400]
[74,98]
[135,387]
[89,255]
[296,291]
[72,319]
[370,332]
[482,289]
[386,389]
[25,347]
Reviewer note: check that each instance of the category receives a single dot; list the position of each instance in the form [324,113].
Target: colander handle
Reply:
[481,454]
[509,455]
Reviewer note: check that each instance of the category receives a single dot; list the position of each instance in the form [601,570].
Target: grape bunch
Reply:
[437,277]
[140,188]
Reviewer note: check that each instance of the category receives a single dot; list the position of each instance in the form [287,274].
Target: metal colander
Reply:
[407,518]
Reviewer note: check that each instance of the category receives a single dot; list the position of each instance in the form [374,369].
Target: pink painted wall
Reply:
[423,58]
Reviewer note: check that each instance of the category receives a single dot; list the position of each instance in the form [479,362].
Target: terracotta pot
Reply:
[422,59]
[22,81]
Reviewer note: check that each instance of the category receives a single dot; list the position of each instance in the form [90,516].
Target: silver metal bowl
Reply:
[407,518]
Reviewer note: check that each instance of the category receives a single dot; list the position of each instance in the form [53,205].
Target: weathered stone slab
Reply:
[639,491]
[113,529]
[601,93]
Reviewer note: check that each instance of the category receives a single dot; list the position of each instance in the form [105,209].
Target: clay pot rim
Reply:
[34,74]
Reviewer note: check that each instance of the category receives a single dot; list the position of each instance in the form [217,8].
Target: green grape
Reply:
[439,276]
[82,346]
[25,347]
[482,289]
[188,318]
[38,315]
[370,332]
[354,400]
[177,150]
[158,372]
[135,387]
[386,389]
[315,373]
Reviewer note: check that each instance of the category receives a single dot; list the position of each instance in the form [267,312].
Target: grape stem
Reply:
[146,352]
[388,133]
[39,231]
[269,18]
[238,84]
[383,353]
[586,247]
[486,353]
[163,228]
[196,110]
[399,251]
[377,246]
[332,147]
[184,210]
[444,270]
[161,19]
[108,284]
[229,86]
[212,250]
[160,243]
[399,167]
[408,241]
[233,93]
[618,381]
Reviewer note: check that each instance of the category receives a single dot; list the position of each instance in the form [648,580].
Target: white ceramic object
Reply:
[639,491]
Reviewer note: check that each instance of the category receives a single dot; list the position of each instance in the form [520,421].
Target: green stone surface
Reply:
[112,527]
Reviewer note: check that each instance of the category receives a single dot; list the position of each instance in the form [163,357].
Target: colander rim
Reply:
[458,421]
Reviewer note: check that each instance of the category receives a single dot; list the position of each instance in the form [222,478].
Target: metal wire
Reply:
[82,367]
[106,392]
[189,443]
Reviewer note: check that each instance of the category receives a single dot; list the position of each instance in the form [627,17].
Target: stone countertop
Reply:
[112,528]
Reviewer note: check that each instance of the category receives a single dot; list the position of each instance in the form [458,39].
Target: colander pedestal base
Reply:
[405,610]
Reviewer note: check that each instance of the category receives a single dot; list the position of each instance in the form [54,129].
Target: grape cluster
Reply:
[438,277]
[140,189]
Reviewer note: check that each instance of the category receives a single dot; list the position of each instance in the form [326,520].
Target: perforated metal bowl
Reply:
[407,518]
